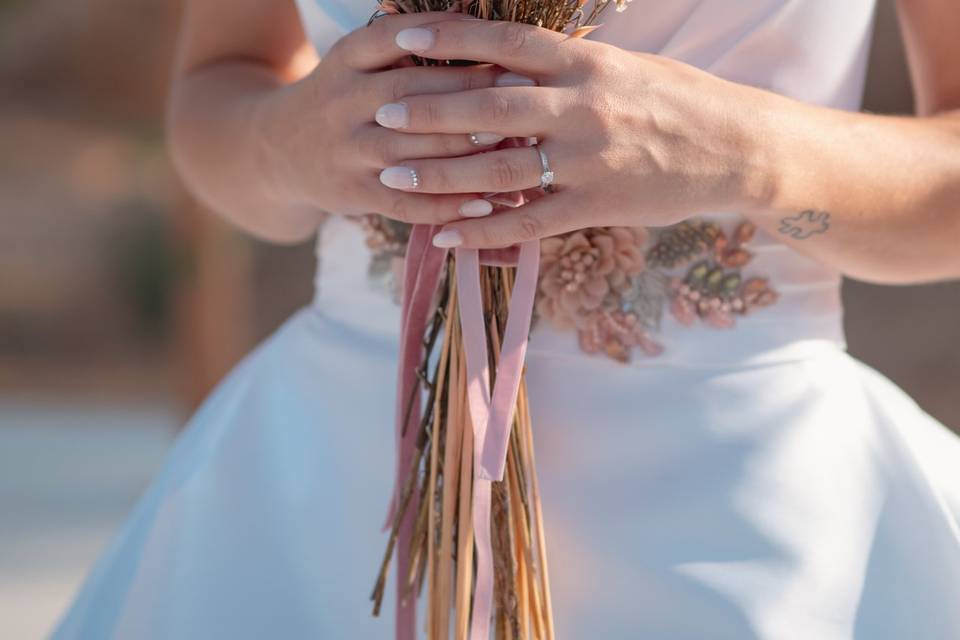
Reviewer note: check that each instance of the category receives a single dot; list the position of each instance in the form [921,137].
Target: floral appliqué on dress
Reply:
[387,240]
[603,284]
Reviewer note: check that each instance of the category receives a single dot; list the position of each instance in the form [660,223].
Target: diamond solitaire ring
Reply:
[546,178]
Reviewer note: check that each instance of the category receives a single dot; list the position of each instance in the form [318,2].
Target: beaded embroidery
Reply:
[601,283]
[387,240]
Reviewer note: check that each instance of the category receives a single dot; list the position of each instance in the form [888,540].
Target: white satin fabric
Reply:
[751,483]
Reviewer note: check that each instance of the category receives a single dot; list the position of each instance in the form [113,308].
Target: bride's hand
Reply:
[321,146]
[633,140]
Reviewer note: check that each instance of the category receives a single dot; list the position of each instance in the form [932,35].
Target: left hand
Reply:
[633,139]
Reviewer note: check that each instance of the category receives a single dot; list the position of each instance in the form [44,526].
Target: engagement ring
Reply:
[546,178]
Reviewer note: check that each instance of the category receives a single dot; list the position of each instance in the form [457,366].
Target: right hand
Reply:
[321,144]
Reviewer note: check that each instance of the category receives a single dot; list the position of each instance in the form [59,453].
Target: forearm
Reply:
[217,125]
[885,191]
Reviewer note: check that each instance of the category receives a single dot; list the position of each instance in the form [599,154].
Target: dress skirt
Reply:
[801,498]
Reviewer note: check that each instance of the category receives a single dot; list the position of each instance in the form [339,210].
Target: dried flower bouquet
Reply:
[474,539]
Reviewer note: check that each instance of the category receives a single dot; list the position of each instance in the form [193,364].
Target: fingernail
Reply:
[393,115]
[476,208]
[400,178]
[482,139]
[448,239]
[415,39]
[511,79]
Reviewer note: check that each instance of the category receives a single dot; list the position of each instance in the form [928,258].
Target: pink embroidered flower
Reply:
[613,291]
[584,270]
[681,307]
[615,333]
[708,292]
[715,295]
[730,253]
[389,7]
[384,236]
[757,293]
[387,241]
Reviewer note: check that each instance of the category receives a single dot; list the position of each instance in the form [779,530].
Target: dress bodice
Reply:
[711,291]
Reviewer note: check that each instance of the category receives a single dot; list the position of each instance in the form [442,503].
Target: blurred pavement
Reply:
[71,472]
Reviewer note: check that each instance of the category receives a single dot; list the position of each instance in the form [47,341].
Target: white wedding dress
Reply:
[752,481]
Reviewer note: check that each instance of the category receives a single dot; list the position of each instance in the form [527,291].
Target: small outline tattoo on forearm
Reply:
[805,224]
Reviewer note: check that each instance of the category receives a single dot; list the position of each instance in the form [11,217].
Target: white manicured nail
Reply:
[511,79]
[476,208]
[483,139]
[400,178]
[448,239]
[393,115]
[415,39]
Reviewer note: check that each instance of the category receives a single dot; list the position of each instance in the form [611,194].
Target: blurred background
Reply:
[122,302]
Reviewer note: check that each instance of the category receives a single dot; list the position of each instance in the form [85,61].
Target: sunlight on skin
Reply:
[303,62]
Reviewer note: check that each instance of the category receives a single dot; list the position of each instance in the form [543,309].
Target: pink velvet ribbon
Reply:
[423,266]
[491,411]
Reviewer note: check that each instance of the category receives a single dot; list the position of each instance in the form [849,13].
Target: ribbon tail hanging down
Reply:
[423,268]
[492,412]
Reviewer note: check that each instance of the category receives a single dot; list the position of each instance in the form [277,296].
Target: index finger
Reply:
[512,45]
[375,46]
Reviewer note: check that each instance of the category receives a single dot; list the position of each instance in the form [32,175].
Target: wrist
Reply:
[294,216]
[269,122]
[764,162]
